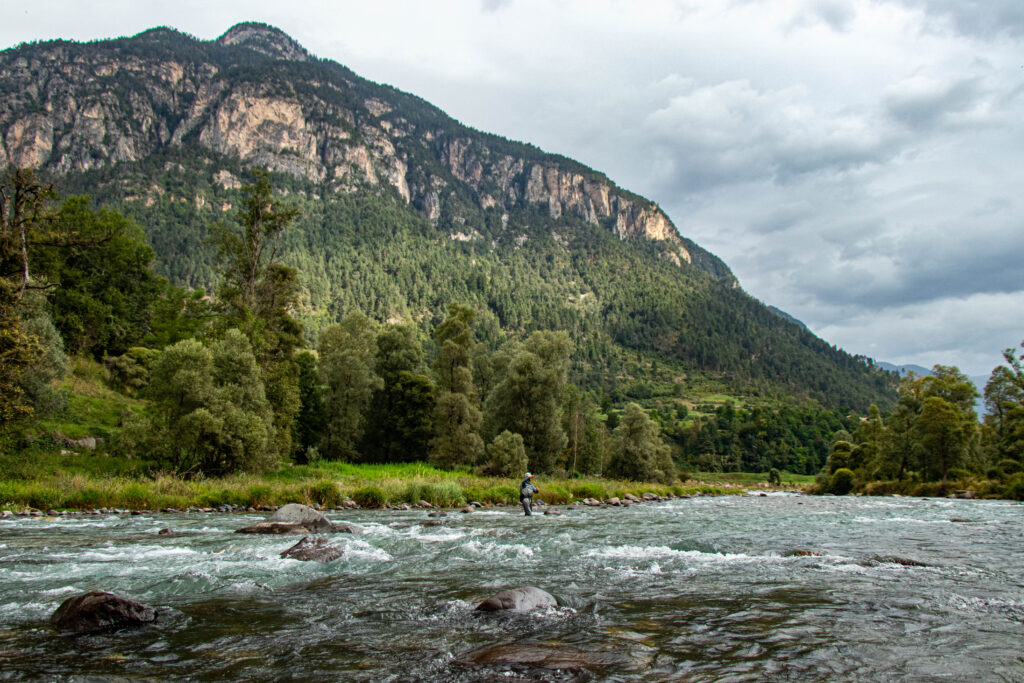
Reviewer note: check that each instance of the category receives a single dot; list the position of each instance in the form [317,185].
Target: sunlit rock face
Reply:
[257,96]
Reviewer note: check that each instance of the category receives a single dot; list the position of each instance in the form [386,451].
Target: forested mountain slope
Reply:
[403,209]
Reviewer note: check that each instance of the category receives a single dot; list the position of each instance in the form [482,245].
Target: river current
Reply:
[736,588]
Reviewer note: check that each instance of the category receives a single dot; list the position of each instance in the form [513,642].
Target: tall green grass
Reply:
[327,485]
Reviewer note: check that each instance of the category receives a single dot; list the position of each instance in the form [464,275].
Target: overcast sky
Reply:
[857,163]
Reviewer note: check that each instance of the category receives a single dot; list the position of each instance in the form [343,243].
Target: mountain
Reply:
[403,208]
[904,370]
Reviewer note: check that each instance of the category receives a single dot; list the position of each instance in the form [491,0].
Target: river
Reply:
[737,588]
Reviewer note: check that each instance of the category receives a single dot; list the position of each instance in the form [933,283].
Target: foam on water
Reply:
[361,550]
[697,581]
[629,552]
[498,551]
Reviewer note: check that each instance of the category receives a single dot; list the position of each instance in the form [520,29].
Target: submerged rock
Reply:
[547,655]
[295,518]
[523,599]
[98,611]
[893,559]
[313,549]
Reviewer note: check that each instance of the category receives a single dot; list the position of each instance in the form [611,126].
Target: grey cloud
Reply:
[922,104]
[976,18]
[968,332]
[903,271]
[782,218]
[732,133]
[836,14]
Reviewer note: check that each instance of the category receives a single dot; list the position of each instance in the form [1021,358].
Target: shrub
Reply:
[500,494]
[589,490]
[956,473]
[443,494]
[41,497]
[774,477]
[936,489]
[506,455]
[134,495]
[555,495]
[842,481]
[370,497]
[884,488]
[1015,487]
[325,493]
[86,498]
[476,493]
[1008,466]
[259,494]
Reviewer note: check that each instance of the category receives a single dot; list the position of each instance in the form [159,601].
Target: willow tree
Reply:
[210,414]
[637,451]
[527,400]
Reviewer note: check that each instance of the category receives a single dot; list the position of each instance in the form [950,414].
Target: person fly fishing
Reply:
[526,491]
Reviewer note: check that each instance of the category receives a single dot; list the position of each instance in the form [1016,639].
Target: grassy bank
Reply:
[326,484]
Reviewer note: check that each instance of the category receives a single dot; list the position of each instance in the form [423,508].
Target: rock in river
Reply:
[313,549]
[547,655]
[295,518]
[523,599]
[98,610]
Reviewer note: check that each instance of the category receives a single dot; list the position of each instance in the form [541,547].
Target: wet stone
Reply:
[313,549]
[522,599]
[98,611]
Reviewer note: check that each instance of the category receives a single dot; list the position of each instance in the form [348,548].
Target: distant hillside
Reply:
[904,370]
[403,208]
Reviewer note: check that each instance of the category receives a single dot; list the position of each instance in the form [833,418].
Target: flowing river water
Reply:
[705,589]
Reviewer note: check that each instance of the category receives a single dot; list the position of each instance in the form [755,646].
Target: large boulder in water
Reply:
[98,611]
[295,518]
[313,549]
[524,599]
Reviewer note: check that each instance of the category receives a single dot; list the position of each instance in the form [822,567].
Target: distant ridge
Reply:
[904,370]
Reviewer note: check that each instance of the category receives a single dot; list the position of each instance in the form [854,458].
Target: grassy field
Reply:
[327,484]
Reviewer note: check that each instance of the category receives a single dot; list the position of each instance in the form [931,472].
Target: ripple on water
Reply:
[702,589]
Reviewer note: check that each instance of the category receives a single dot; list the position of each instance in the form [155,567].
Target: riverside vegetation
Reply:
[200,400]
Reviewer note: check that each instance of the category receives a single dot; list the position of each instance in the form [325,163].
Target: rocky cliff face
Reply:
[256,95]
